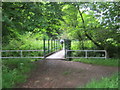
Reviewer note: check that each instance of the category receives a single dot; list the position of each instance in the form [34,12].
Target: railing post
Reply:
[51,45]
[54,44]
[44,46]
[59,44]
[66,53]
[48,45]
[85,53]
[21,54]
[105,54]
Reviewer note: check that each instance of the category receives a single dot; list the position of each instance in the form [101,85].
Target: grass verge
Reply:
[14,71]
[107,82]
[105,62]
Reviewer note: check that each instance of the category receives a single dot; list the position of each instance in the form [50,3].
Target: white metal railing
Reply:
[21,53]
[86,53]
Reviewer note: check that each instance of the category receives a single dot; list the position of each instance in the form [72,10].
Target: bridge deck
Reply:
[58,55]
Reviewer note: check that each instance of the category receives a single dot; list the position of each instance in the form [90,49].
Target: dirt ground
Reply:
[65,74]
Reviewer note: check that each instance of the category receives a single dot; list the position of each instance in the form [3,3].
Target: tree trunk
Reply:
[81,40]
[97,44]
[93,41]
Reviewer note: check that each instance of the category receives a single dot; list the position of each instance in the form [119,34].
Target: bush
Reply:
[15,71]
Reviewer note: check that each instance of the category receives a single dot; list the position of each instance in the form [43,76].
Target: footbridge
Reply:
[52,49]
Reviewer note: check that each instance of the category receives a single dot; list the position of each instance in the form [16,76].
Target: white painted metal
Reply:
[17,50]
[105,54]
[21,57]
[21,53]
[86,53]
[85,57]
[88,50]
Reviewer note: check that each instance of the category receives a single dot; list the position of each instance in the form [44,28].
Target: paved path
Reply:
[57,55]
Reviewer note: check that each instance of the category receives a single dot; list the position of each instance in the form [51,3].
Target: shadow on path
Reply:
[65,74]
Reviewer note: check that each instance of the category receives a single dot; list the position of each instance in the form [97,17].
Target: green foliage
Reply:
[104,62]
[95,21]
[107,82]
[29,42]
[15,71]
[76,45]
[26,42]
[39,18]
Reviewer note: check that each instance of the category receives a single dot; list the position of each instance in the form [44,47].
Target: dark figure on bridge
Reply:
[61,41]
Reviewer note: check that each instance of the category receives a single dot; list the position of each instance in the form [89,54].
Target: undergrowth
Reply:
[106,82]
[14,71]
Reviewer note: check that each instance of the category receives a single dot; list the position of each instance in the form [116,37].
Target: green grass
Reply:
[107,82]
[105,62]
[15,71]
[67,72]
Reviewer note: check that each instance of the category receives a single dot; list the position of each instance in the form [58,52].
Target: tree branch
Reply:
[86,34]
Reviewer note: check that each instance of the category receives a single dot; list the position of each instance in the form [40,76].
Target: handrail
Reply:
[86,50]
[21,57]
[86,53]
[21,53]
[17,50]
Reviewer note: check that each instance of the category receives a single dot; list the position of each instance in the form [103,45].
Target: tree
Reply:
[101,30]
[37,17]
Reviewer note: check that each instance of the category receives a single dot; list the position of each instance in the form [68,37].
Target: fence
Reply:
[51,45]
[85,54]
[48,46]
[20,53]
